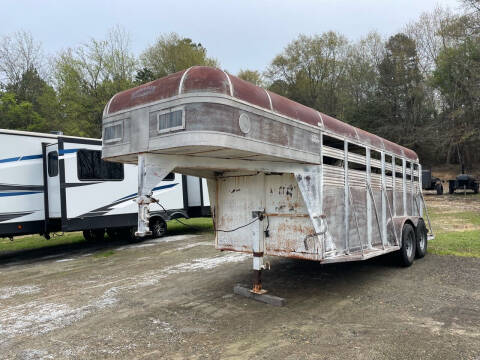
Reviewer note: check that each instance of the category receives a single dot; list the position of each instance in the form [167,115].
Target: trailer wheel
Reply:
[94,234]
[128,234]
[439,188]
[421,235]
[407,251]
[451,188]
[158,226]
[112,233]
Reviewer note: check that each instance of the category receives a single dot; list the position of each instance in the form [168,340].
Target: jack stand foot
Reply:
[257,283]
[265,298]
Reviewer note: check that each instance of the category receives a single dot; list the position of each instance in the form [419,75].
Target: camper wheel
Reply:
[94,234]
[128,234]
[408,249]
[112,234]
[158,226]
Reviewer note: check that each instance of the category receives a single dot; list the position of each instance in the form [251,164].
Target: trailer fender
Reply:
[178,214]
[400,221]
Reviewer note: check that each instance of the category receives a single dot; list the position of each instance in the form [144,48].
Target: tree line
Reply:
[419,87]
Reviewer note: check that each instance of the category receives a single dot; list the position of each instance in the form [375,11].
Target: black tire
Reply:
[128,234]
[407,251]
[94,234]
[475,188]
[451,190]
[439,188]
[87,235]
[113,233]
[158,227]
[422,240]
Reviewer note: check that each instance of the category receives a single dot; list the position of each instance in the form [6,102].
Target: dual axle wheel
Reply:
[414,243]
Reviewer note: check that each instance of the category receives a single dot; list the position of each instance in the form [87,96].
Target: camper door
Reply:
[53,182]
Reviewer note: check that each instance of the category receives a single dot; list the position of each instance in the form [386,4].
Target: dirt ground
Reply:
[172,298]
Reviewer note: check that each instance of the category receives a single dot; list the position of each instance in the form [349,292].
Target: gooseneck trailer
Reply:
[283,179]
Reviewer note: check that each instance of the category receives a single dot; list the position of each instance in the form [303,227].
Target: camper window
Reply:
[90,166]
[113,133]
[169,121]
[52,163]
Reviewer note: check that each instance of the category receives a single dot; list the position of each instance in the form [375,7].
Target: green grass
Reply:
[37,242]
[104,254]
[466,243]
[466,217]
[194,225]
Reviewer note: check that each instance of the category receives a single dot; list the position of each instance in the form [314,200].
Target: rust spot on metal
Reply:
[288,215]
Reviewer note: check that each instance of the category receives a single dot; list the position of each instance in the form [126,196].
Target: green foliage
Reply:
[402,93]
[418,88]
[253,76]
[18,115]
[457,76]
[169,54]
[311,70]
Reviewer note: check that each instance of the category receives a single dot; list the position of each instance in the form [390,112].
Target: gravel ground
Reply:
[172,298]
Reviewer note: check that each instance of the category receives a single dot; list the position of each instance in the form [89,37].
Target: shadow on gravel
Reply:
[301,280]
[26,256]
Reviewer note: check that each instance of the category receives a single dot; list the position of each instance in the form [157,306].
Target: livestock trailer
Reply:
[283,179]
[51,183]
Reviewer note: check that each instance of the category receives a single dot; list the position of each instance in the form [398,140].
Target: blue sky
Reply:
[240,34]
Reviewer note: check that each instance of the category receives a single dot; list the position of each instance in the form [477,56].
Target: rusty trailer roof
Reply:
[203,79]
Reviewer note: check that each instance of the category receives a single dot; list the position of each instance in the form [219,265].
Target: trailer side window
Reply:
[90,166]
[113,133]
[173,120]
[52,162]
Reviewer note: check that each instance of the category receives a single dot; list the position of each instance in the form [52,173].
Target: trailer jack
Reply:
[257,279]
[257,292]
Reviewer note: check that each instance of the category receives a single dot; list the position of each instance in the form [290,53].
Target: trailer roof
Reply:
[203,79]
[43,135]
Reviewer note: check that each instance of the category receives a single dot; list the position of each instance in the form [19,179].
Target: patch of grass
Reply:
[37,241]
[104,254]
[466,243]
[469,217]
[194,225]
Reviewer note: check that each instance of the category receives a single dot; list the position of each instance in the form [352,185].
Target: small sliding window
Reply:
[171,120]
[113,132]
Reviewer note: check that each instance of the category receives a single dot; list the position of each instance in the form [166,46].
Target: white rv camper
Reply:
[51,183]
